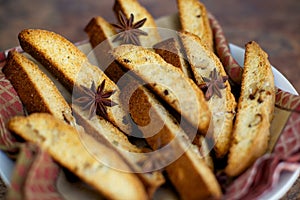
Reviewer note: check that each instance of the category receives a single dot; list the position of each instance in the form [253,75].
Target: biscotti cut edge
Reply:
[36,91]
[52,135]
[171,51]
[71,67]
[105,132]
[203,61]
[189,173]
[194,19]
[255,111]
[189,102]
[45,45]
[99,30]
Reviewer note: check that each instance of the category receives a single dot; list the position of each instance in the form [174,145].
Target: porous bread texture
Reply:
[171,51]
[100,33]
[194,19]
[56,53]
[140,113]
[140,12]
[168,82]
[98,30]
[203,61]
[189,171]
[255,111]
[72,68]
[105,132]
[53,135]
[36,91]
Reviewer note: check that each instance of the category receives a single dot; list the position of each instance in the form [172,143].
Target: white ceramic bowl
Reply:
[286,179]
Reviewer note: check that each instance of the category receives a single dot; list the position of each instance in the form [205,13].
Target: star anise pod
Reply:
[214,84]
[129,32]
[96,100]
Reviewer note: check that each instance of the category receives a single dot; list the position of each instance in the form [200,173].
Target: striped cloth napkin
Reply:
[265,172]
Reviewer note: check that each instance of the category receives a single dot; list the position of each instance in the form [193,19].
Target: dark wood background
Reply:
[273,24]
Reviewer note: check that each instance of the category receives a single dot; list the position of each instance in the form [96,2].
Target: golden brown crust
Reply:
[191,176]
[255,111]
[168,82]
[44,45]
[188,170]
[71,67]
[203,62]
[104,132]
[99,30]
[36,91]
[170,51]
[54,136]
[194,19]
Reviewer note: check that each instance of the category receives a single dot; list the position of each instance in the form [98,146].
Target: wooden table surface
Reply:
[273,24]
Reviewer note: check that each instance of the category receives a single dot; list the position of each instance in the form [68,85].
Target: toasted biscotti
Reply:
[100,32]
[65,144]
[203,62]
[171,51]
[194,19]
[134,7]
[36,91]
[71,67]
[104,132]
[168,82]
[55,52]
[255,111]
[186,168]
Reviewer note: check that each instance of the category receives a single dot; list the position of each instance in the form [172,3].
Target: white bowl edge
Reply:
[287,179]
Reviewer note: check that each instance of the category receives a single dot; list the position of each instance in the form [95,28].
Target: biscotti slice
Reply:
[194,19]
[186,168]
[100,32]
[72,68]
[168,82]
[204,63]
[56,53]
[138,97]
[255,111]
[171,51]
[65,144]
[36,91]
[104,132]
[140,12]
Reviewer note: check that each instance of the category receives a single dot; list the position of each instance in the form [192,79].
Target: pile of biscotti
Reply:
[203,130]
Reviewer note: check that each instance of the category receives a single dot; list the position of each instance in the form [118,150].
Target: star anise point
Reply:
[214,84]
[96,100]
[129,31]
